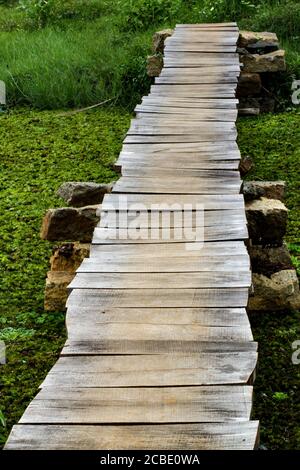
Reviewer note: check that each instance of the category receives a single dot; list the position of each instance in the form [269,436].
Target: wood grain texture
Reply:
[139,405]
[167,250]
[166,202]
[152,370]
[222,297]
[204,436]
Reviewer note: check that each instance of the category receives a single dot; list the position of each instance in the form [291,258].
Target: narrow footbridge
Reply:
[160,353]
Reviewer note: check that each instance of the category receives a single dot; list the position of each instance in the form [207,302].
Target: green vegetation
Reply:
[40,151]
[273,143]
[80,52]
[57,55]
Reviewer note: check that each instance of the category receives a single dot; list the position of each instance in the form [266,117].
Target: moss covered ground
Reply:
[41,150]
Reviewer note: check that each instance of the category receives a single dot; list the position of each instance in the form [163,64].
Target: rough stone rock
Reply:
[260,40]
[69,256]
[155,64]
[158,41]
[271,62]
[80,194]
[280,291]
[269,189]
[267,221]
[246,165]
[69,223]
[56,292]
[269,260]
[249,84]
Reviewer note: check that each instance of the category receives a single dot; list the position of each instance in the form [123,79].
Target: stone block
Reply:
[70,224]
[56,292]
[280,291]
[80,194]
[267,221]
[155,64]
[271,62]
[158,41]
[269,189]
[69,256]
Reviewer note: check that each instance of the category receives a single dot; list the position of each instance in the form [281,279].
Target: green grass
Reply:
[80,52]
[40,151]
[273,143]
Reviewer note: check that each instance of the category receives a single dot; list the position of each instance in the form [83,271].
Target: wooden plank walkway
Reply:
[160,353]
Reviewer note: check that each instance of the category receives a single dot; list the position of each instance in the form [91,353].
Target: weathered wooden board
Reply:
[196,80]
[152,298]
[128,164]
[199,47]
[153,171]
[171,219]
[152,370]
[191,114]
[167,202]
[164,265]
[177,185]
[225,317]
[112,236]
[184,138]
[198,103]
[149,332]
[121,347]
[140,405]
[224,248]
[214,150]
[157,280]
[203,436]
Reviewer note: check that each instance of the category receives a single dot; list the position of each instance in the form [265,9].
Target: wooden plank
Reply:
[224,248]
[213,317]
[177,185]
[152,370]
[158,280]
[191,91]
[185,138]
[149,332]
[152,298]
[127,164]
[198,103]
[164,265]
[163,125]
[140,405]
[170,219]
[218,436]
[112,236]
[141,110]
[196,80]
[217,149]
[156,202]
[153,171]
[200,47]
[134,347]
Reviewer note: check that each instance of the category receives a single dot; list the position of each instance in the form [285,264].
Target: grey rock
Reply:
[70,224]
[56,290]
[277,292]
[249,84]
[269,260]
[80,194]
[269,189]
[256,63]
[267,221]
[246,165]
[262,39]
[159,38]
[155,64]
